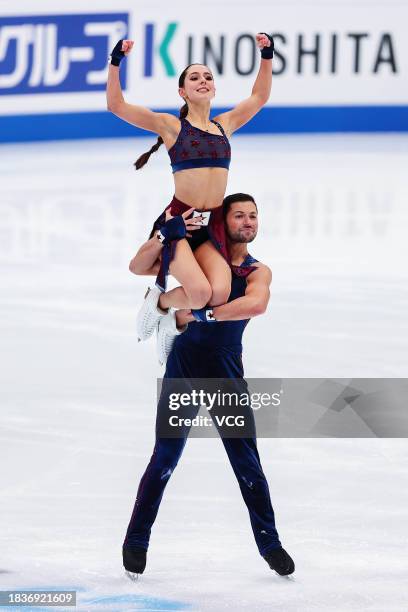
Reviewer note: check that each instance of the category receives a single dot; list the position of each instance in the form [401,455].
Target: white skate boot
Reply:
[149,314]
[167,332]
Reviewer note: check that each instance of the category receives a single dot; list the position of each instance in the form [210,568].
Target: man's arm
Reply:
[146,261]
[253,303]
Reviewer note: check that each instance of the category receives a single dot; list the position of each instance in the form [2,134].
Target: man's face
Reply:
[242,222]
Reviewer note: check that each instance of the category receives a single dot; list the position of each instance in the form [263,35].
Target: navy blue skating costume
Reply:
[207,350]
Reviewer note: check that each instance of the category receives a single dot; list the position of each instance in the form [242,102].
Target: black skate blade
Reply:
[132,576]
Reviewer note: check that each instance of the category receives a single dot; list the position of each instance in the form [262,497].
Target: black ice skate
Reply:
[134,561]
[279,560]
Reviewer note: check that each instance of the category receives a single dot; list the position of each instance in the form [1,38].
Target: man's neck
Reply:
[238,252]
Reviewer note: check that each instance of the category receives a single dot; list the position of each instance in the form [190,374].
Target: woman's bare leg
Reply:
[195,290]
[217,272]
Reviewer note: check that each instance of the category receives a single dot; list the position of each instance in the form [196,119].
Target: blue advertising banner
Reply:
[58,53]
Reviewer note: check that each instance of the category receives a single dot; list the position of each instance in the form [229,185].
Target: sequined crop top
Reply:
[195,148]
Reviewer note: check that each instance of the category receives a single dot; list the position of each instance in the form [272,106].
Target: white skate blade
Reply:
[132,576]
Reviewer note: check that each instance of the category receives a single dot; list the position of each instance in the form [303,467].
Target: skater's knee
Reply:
[199,295]
[220,294]
[257,485]
[163,467]
[166,473]
[164,459]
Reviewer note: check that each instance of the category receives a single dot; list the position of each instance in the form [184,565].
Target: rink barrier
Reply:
[271,120]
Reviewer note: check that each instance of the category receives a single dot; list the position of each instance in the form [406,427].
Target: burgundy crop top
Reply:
[195,148]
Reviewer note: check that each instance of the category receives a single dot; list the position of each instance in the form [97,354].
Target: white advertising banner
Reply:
[53,57]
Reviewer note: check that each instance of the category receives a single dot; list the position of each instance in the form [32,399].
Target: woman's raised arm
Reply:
[136,115]
[245,110]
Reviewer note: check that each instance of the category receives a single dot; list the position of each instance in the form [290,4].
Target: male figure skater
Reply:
[211,347]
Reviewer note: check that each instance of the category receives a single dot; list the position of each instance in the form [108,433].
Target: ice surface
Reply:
[78,391]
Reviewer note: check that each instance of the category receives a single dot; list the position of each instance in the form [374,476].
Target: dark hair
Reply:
[143,159]
[236,197]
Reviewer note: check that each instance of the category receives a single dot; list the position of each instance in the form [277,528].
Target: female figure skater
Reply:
[200,155]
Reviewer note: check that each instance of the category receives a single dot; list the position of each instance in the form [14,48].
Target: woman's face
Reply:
[198,85]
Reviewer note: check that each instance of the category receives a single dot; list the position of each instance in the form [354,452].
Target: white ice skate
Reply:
[167,332]
[149,314]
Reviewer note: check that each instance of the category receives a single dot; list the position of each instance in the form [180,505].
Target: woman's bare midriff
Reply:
[201,188]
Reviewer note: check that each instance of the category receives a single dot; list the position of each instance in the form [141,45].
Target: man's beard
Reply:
[240,237]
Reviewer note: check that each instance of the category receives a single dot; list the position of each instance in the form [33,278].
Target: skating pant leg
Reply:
[164,459]
[166,454]
[244,459]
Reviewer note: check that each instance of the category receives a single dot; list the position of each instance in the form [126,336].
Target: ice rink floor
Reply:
[78,391]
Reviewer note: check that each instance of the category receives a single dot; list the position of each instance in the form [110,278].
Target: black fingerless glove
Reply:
[117,54]
[267,52]
[173,229]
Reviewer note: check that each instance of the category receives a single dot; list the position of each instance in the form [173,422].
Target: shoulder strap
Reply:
[219,126]
[248,261]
